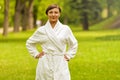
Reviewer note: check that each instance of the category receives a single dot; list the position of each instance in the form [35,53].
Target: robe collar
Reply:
[57,26]
[52,34]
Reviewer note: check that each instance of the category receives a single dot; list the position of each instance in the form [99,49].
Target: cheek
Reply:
[48,15]
[58,15]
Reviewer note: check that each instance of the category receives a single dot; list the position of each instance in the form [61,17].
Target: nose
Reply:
[53,14]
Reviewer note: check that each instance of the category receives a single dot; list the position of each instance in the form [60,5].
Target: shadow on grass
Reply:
[13,40]
[109,37]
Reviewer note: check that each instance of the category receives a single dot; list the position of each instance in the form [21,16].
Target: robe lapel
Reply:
[52,35]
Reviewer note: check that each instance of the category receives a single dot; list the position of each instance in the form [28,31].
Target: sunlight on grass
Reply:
[97,57]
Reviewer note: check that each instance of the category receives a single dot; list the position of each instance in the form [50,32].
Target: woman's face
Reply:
[53,15]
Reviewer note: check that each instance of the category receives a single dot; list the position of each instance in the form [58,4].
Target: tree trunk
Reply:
[24,19]
[35,11]
[17,15]
[6,18]
[27,16]
[85,21]
[30,15]
[109,8]
[17,21]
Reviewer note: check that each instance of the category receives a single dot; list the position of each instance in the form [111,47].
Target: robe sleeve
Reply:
[31,43]
[72,44]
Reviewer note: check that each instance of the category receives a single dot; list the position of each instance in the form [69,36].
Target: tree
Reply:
[113,6]
[82,7]
[67,16]
[109,5]
[6,17]
[87,10]
[17,17]
[35,11]
[27,15]
[23,15]
[30,15]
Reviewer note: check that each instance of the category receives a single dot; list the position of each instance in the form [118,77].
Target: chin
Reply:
[53,20]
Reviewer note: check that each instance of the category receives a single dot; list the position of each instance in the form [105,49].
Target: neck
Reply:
[53,23]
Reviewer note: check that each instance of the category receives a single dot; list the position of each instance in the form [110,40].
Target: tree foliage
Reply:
[88,11]
[85,12]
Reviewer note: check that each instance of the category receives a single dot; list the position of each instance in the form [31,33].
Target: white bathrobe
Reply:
[53,66]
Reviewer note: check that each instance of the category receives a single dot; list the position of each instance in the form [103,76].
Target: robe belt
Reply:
[54,53]
[51,61]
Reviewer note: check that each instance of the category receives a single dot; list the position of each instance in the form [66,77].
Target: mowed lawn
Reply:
[97,58]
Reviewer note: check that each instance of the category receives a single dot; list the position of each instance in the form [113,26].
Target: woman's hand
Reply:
[66,58]
[40,54]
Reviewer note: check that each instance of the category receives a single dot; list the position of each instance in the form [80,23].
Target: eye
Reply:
[56,12]
[50,12]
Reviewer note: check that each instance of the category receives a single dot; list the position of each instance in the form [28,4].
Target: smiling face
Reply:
[53,15]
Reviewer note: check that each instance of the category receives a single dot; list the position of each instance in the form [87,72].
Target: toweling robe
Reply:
[52,65]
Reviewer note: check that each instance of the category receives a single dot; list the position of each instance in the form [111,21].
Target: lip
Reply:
[53,18]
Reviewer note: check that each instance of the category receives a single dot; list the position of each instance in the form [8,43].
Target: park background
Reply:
[95,24]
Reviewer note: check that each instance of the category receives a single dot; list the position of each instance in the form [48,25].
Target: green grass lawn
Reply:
[98,56]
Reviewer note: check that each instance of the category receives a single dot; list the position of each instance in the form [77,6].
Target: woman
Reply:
[53,38]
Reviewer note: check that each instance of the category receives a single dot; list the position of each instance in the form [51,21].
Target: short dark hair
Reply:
[51,7]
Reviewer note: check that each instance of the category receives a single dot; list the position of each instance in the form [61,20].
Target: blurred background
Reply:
[28,14]
[95,24]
